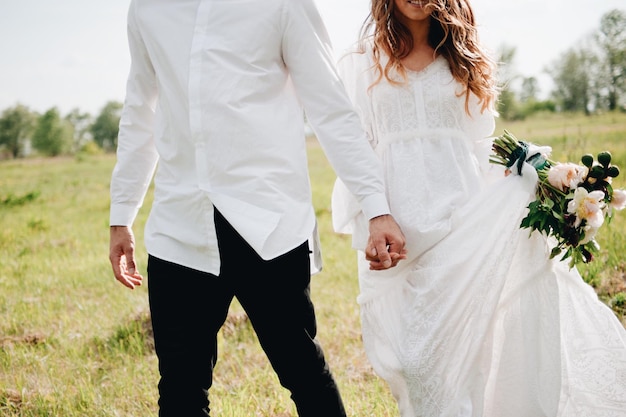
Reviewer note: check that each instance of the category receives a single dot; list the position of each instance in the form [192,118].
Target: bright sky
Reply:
[73,53]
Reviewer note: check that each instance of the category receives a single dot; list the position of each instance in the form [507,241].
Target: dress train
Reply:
[484,324]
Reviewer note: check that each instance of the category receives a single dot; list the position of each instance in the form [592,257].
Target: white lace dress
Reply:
[477,322]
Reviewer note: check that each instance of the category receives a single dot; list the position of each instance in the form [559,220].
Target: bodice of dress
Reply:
[426,139]
[427,103]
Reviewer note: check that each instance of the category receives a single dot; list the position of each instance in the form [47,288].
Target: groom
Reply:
[214,96]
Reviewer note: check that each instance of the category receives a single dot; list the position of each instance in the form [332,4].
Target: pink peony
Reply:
[566,176]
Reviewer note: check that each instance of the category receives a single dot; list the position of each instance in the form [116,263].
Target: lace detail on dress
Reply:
[427,102]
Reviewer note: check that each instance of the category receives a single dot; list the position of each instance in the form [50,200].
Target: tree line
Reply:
[24,132]
[589,77]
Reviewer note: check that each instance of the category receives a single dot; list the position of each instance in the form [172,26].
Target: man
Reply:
[215,94]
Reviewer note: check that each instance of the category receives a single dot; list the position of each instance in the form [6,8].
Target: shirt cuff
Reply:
[374,206]
[122,215]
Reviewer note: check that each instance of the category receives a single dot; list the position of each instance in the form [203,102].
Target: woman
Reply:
[477,321]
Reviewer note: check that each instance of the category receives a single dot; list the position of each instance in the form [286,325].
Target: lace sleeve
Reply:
[479,126]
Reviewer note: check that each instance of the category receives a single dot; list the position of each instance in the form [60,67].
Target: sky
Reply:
[73,53]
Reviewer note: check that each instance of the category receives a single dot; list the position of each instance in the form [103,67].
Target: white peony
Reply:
[587,206]
[590,234]
[618,201]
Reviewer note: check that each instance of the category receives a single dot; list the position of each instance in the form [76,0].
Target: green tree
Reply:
[508,106]
[572,75]
[105,128]
[53,135]
[16,126]
[530,104]
[530,89]
[81,123]
[611,39]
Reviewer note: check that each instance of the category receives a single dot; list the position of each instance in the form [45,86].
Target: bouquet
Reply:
[572,200]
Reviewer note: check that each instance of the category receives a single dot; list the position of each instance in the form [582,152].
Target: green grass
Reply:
[75,343]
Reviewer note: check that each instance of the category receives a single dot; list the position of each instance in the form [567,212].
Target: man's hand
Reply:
[385,247]
[122,256]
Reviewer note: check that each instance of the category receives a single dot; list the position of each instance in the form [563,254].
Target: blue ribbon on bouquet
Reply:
[520,155]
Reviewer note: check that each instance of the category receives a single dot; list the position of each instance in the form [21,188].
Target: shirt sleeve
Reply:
[136,152]
[354,68]
[308,56]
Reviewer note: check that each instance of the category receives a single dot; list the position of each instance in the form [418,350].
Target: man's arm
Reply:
[308,56]
[136,157]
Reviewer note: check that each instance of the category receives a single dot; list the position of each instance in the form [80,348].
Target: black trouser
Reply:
[189,307]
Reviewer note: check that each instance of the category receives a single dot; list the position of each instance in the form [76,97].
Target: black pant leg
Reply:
[188,308]
[276,296]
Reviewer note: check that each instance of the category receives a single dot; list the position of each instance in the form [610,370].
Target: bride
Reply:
[477,321]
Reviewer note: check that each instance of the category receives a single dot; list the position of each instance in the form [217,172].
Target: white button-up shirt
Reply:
[216,98]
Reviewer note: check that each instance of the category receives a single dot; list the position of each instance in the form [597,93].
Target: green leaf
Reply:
[555,252]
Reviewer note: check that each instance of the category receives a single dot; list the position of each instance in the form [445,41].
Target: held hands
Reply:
[122,256]
[385,247]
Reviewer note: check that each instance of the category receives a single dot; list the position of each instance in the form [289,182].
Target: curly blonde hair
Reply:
[453,34]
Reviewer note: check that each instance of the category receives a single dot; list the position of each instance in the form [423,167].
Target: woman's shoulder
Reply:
[356,60]
[358,52]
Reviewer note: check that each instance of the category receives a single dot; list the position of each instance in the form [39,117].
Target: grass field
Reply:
[75,343]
